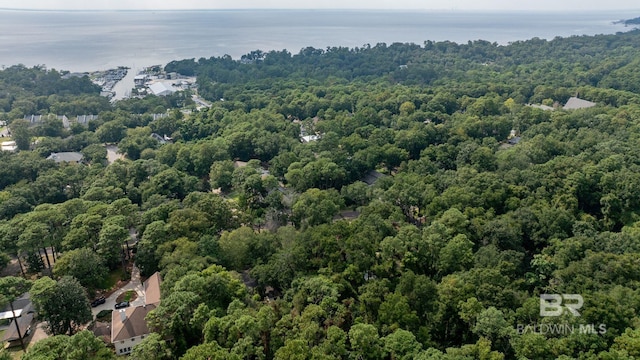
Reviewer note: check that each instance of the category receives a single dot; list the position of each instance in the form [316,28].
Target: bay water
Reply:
[81,41]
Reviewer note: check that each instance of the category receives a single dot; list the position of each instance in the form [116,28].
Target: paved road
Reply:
[200,102]
[134,284]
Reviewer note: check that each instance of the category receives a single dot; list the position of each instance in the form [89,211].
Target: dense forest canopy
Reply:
[394,201]
[518,69]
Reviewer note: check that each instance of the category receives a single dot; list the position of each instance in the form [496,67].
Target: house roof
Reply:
[161,89]
[542,107]
[23,323]
[309,138]
[20,305]
[347,215]
[372,176]
[128,323]
[8,146]
[514,140]
[65,157]
[10,314]
[575,103]
[102,329]
[158,138]
[159,116]
[152,289]
[83,119]
[239,164]
[34,119]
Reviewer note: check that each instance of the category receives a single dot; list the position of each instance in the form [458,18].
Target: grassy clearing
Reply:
[234,195]
[129,296]
[15,352]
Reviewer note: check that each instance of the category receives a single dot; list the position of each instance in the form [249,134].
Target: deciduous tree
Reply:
[62,304]
[83,345]
[84,265]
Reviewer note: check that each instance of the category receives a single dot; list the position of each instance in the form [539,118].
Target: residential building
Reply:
[152,289]
[158,116]
[84,119]
[514,140]
[371,177]
[9,146]
[158,138]
[68,157]
[576,103]
[140,80]
[542,107]
[37,119]
[22,315]
[128,326]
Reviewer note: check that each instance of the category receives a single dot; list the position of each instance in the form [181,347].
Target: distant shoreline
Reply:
[628,22]
[80,41]
[407,10]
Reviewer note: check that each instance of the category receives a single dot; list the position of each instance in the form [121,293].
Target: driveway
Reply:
[134,284]
[38,334]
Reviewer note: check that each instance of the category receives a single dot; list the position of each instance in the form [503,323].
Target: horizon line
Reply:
[319,9]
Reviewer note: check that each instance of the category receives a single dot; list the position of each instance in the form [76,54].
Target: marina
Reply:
[108,79]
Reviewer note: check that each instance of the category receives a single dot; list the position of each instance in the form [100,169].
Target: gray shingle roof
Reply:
[65,157]
[129,322]
[575,103]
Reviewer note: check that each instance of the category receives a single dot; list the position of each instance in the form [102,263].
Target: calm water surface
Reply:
[85,41]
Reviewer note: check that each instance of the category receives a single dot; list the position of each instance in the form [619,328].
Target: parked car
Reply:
[122,305]
[28,331]
[99,301]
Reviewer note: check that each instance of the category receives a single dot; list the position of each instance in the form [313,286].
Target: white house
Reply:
[139,80]
[9,146]
[37,119]
[128,326]
[84,119]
